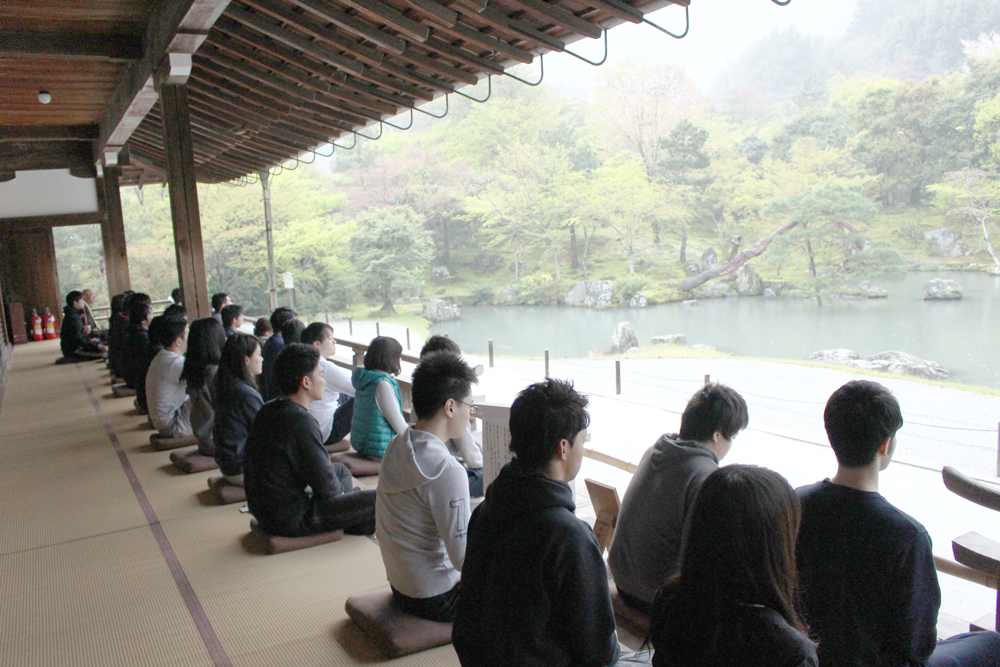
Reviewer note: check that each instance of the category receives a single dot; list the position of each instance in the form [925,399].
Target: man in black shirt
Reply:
[284,454]
[869,586]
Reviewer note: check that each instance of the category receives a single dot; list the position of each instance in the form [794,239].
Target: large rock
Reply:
[638,301]
[719,290]
[437,310]
[945,243]
[591,294]
[902,363]
[623,339]
[440,274]
[836,356]
[940,289]
[672,339]
[709,258]
[692,268]
[507,296]
[869,291]
[748,282]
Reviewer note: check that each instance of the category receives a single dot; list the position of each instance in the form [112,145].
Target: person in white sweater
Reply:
[335,409]
[166,393]
[422,507]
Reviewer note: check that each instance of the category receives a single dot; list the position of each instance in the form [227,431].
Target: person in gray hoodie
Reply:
[422,506]
[646,548]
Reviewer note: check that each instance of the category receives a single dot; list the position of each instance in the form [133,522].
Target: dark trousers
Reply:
[636,603]
[341,422]
[972,649]
[440,608]
[475,481]
[350,511]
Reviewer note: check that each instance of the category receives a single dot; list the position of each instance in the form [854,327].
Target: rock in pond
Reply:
[748,282]
[837,356]
[437,310]
[638,301]
[945,243]
[591,294]
[623,339]
[940,289]
[671,339]
[903,363]
[719,290]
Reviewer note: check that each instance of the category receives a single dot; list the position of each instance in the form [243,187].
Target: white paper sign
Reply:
[496,440]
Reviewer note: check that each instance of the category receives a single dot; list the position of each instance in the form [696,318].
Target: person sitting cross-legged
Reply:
[335,410]
[422,512]
[201,365]
[166,391]
[534,585]
[271,348]
[734,602]
[284,456]
[646,548]
[219,301]
[136,346]
[867,576]
[237,403]
[75,339]
[232,318]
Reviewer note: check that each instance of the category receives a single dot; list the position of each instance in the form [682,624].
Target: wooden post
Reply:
[708,378]
[350,325]
[272,282]
[998,475]
[407,338]
[184,200]
[326,316]
[546,364]
[378,331]
[618,378]
[113,232]
[491,353]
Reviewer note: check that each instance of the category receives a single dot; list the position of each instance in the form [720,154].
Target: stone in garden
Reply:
[867,290]
[507,297]
[748,282]
[690,303]
[709,258]
[945,243]
[440,273]
[719,290]
[769,293]
[623,338]
[638,301]
[940,289]
[672,339]
[692,268]
[631,350]
[591,294]
[836,356]
[437,310]
[902,363]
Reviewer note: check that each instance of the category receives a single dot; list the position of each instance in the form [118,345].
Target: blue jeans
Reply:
[972,649]
[440,608]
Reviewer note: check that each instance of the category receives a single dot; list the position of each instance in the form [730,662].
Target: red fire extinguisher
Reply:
[36,325]
[50,325]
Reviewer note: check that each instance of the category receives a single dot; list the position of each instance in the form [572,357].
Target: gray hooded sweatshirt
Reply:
[421,514]
[646,549]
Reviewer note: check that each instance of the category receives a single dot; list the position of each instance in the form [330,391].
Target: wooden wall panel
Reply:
[28,270]
[86,16]
[80,90]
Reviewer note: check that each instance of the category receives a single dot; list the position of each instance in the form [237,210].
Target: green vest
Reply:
[370,432]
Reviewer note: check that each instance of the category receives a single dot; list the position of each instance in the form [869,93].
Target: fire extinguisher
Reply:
[50,325]
[36,325]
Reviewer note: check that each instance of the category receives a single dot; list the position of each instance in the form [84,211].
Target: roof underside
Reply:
[273,78]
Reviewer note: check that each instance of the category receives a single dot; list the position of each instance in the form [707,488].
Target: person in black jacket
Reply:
[74,337]
[135,351]
[534,584]
[237,403]
[284,454]
[733,602]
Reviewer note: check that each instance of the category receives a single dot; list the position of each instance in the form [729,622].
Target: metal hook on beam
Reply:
[365,136]
[434,115]
[397,126]
[687,23]
[783,4]
[541,64]
[322,155]
[312,160]
[591,62]
[347,148]
[489,82]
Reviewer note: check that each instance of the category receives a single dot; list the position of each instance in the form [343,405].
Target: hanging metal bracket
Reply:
[434,115]
[489,82]
[687,23]
[591,62]
[783,4]
[397,126]
[365,136]
[541,64]
[347,148]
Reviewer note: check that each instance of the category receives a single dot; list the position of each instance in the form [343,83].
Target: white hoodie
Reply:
[421,514]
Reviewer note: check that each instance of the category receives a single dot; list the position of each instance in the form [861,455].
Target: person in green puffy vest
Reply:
[378,408]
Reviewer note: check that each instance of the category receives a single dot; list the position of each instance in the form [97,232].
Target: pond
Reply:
[956,334]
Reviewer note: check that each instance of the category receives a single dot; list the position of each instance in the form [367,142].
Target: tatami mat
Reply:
[84,581]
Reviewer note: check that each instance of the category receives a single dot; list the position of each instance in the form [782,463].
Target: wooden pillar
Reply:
[113,232]
[184,200]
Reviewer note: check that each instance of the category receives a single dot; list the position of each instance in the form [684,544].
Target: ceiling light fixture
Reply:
[44,97]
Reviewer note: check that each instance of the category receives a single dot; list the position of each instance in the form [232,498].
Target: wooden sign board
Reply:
[496,439]
[606,507]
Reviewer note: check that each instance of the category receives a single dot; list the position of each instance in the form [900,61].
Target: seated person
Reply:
[166,392]
[271,349]
[335,410]
[237,403]
[422,511]
[284,456]
[95,331]
[117,330]
[219,301]
[291,331]
[733,602]
[534,584]
[378,407]
[867,577]
[465,449]
[175,310]
[136,349]
[262,329]
[232,318]
[201,364]
[175,295]
[75,340]
[646,547]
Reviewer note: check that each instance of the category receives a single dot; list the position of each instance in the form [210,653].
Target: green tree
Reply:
[389,251]
[683,166]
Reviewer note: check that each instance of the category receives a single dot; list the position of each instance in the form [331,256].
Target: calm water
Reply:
[959,334]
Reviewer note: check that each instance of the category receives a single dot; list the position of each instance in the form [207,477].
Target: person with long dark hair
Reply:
[201,364]
[378,407]
[733,602]
[237,402]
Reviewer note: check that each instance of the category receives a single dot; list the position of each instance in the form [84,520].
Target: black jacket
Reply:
[71,336]
[237,406]
[534,584]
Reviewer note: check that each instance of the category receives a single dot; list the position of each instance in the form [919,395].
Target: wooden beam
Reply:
[113,234]
[458,54]
[173,24]
[70,45]
[486,41]
[619,9]
[20,155]
[381,12]
[498,18]
[352,24]
[48,132]
[549,12]
[184,201]
[47,221]
[436,13]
